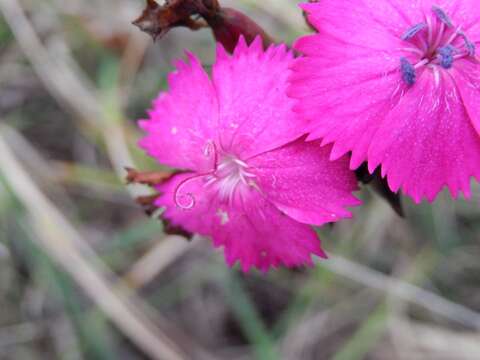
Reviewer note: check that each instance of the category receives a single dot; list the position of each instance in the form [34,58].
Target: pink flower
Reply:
[250,181]
[396,83]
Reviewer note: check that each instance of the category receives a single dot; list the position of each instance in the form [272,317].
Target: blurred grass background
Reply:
[85,275]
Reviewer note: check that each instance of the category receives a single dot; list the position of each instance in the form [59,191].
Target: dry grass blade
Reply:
[404,291]
[74,93]
[157,259]
[16,334]
[436,342]
[62,242]
[70,88]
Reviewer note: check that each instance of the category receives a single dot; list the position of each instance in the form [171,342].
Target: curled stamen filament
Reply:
[209,150]
[177,194]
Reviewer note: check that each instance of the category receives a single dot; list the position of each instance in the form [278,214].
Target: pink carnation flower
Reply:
[397,83]
[250,181]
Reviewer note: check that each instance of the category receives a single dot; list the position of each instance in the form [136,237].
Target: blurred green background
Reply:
[86,275]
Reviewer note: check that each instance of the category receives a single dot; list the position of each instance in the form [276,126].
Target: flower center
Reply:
[437,42]
[229,175]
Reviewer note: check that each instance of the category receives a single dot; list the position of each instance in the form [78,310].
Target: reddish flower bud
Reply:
[229,24]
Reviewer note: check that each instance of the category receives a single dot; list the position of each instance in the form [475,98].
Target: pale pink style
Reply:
[397,84]
[250,183]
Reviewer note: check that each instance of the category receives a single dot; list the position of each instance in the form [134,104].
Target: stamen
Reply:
[240,162]
[438,46]
[209,150]
[436,75]
[413,50]
[222,166]
[442,16]
[243,180]
[439,38]
[429,30]
[446,56]
[421,64]
[471,48]
[250,175]
[423,44]
[408,71]
[454,35]
[211,180]
[414,30]
[460,56]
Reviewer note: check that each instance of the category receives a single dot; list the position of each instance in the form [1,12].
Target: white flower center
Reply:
[231,177]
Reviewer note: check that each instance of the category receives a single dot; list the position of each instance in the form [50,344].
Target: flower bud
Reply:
[229,24]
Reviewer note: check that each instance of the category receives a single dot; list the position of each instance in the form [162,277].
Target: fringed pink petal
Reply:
[182,120]
[427,142]
[254,110]
[344,103]
[301,181]
[252,232]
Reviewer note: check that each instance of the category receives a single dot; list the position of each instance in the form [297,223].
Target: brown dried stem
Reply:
[227,24]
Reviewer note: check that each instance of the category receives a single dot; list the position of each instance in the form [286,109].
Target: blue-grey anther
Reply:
[408,71]
[446,54]
[442,15]
[414,30]
[471,48]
